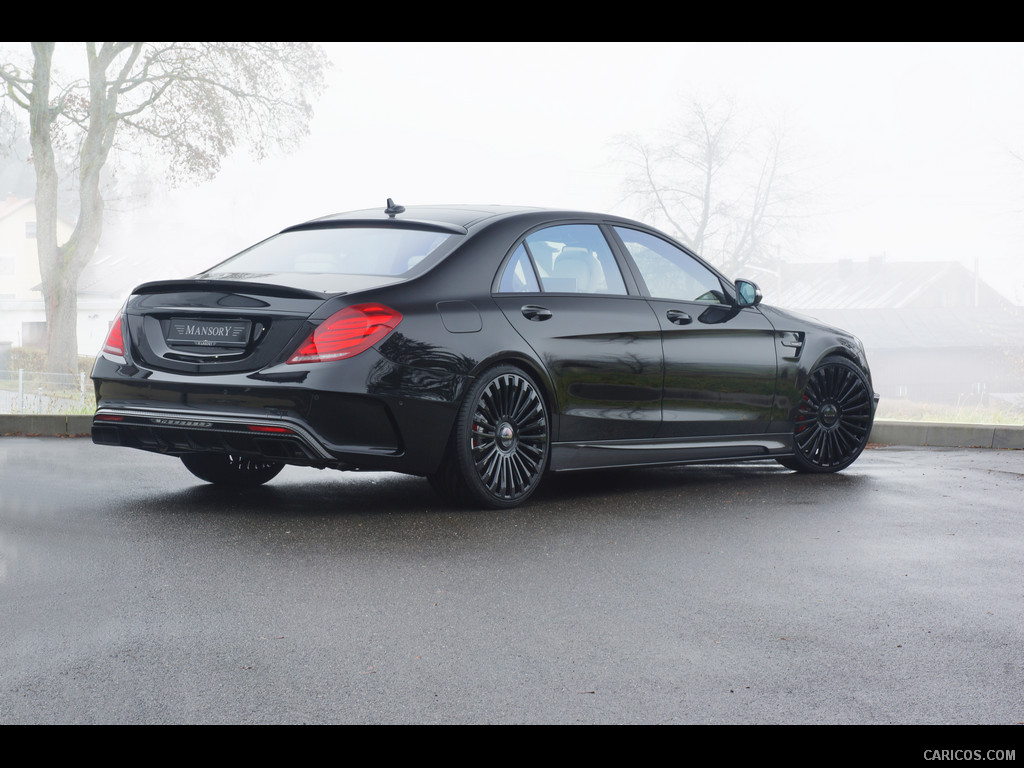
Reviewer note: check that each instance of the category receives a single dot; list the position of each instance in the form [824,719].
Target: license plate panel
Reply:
[208,333]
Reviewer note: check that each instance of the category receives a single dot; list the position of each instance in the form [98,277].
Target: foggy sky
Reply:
[911,145]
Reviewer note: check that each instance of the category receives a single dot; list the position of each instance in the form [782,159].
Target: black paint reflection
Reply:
[418,369]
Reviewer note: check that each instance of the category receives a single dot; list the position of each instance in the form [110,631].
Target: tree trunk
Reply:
[60,304]
[62,324]
[61,266]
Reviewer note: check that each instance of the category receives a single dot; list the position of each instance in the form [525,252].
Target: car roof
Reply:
[460,218]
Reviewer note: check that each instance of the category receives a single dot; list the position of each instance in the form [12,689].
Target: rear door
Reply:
[563,291]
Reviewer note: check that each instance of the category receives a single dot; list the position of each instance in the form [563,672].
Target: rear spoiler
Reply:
[250,287]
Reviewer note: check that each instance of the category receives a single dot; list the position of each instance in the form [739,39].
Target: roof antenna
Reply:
[393,210]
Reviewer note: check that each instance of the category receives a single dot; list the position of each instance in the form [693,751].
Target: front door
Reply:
[720,361]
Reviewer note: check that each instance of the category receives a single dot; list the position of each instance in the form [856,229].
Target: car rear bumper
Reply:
[176,432]
[365,414]
[363,435]
[180,432]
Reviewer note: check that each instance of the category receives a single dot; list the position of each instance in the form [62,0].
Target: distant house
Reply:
[19,264]
[22,313]
[934,331]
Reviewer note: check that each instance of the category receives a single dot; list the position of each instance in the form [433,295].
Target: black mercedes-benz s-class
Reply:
[479,346]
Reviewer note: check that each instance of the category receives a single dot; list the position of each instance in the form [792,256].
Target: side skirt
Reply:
[566,457]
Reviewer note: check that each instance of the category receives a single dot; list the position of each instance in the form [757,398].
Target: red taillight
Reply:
[114,345]
[347,333]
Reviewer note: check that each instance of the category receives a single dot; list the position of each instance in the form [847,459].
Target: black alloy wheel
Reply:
[499,451]
[232,471]
[833,419]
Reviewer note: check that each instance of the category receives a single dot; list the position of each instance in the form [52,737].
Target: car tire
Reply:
[232,471]
[499,447]
[833,419]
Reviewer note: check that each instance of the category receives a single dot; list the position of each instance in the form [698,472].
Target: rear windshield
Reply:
[350,251]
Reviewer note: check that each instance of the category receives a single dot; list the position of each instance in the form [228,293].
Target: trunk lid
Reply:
[217,326]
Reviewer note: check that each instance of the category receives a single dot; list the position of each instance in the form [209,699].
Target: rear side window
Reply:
[390,251]
[519,276]
[569,258]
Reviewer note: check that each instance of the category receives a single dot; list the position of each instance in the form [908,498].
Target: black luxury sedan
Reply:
[478,346]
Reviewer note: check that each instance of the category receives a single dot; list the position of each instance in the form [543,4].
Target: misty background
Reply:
[897,208]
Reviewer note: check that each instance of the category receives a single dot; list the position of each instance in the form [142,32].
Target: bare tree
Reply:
[721,189]
[191,103]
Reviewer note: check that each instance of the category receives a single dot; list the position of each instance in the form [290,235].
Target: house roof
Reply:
[903,305]
[108,275]
[11,204]
[881,284]
[931,328]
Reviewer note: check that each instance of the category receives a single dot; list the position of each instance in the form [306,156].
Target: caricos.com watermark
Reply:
[970,754]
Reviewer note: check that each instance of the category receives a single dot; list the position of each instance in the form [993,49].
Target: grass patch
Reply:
[961,413]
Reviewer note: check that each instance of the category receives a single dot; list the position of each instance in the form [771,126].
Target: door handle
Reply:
[678,317]
[533,312]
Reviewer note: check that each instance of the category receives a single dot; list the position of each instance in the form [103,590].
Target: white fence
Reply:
[24,391]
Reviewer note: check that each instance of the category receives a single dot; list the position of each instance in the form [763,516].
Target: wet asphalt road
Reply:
[891,593]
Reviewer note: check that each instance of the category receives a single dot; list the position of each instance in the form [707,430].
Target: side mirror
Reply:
[747,293]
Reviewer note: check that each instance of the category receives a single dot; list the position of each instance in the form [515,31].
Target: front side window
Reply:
[391,251]
[670,272]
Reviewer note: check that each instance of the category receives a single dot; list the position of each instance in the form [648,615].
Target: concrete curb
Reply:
[920,433]
[912,433]
[45,425]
